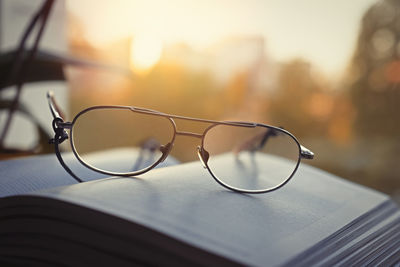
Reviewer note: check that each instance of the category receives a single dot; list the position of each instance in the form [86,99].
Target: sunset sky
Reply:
[324,32]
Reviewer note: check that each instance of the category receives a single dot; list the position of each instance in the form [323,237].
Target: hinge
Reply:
[306,153]
[65,125]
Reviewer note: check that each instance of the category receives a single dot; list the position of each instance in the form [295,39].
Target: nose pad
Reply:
[203,156]
[165,150]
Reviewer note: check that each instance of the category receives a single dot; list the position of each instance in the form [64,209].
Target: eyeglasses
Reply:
[242,156]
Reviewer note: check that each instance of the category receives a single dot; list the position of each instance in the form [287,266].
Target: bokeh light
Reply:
[145,52]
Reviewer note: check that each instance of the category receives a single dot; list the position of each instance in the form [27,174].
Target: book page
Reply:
[185,203]
[19,176]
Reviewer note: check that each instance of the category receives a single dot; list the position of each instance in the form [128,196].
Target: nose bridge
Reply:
[191,134]
[187,133]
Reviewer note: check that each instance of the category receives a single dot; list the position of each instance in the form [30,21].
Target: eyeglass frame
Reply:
[59,126]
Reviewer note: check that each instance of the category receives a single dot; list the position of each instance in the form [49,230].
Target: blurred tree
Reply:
[375,72]
[374,78]
[290,104]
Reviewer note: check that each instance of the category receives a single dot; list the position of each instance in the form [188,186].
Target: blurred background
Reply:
[328,72]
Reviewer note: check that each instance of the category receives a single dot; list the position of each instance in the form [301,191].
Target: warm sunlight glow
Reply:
[145,52]
[201,24]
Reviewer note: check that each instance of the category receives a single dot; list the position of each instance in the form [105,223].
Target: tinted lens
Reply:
[255,158]
[135,136]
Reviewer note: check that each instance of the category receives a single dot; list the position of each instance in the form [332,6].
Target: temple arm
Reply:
[60,134]
[259,141]
[54,107]
[256,142]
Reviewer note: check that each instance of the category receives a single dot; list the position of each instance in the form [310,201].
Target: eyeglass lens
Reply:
[121,129]
[251,158]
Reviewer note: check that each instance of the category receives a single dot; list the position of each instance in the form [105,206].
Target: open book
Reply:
[178,215]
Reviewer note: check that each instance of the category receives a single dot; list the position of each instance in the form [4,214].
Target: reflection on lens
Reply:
[251,157]
[137,136]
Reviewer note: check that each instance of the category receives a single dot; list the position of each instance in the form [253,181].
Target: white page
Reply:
[19,176]
[185,203]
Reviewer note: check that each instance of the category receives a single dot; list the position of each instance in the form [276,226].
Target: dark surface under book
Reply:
[180,215]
